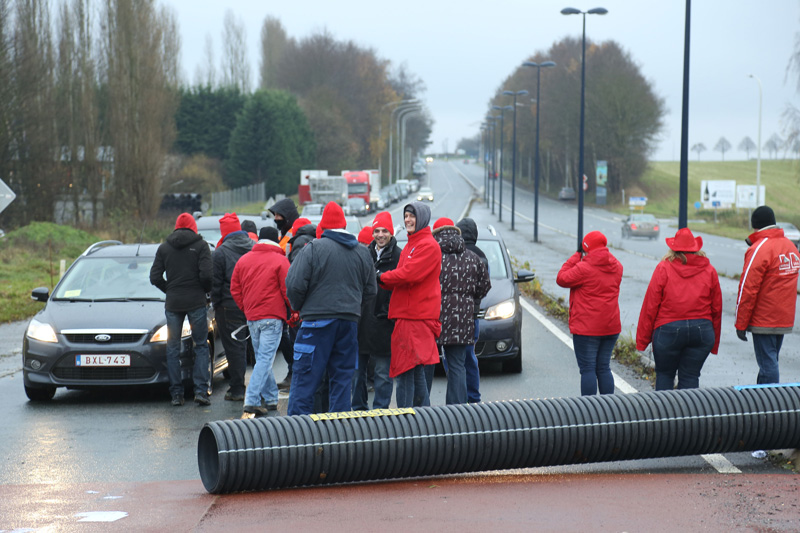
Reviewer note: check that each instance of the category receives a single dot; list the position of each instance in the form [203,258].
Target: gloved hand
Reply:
[378,277]
[742,334]
[294,319]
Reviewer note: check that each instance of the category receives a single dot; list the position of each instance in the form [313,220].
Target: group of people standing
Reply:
[681,313]
[329,303]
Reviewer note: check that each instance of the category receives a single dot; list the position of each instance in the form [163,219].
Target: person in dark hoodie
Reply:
[681,313]
[464,279]
[593,277]
[329,283]
[233,244]
[469,232]
[285,213]
[186,259]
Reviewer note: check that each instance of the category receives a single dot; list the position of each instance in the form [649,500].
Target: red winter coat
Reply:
[593,283]
[680,292]
[768,286]
[258,284]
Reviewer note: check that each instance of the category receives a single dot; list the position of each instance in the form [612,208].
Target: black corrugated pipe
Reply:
[288,451]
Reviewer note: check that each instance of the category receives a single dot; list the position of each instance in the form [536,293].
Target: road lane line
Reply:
[716,460]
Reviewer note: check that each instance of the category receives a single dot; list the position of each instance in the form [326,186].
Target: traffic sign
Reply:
[6,195]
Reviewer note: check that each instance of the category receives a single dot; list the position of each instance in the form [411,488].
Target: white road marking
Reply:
[716,460]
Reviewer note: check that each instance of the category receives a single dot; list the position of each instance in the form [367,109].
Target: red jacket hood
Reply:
[695,265]
[602,259]
[758,235]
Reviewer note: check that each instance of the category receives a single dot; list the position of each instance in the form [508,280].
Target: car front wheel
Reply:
[40,394]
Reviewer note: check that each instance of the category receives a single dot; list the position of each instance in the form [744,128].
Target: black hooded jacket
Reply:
[224,259]
[288,211]
[375,329]
[303,235]
[186,259]
[469,232]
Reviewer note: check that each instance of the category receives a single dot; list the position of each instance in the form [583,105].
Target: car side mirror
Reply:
[524,276]
[40,294]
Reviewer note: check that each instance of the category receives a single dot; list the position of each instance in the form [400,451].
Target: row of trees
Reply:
[773,146]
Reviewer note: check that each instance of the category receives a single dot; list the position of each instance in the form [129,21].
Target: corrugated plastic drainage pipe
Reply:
[288,451]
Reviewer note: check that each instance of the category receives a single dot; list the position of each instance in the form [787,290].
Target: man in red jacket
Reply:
[767,296]
[258,286]
[415,306]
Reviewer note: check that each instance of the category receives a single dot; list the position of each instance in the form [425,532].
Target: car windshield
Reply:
[494,254]
[109,278]
[357,188]
[425,190]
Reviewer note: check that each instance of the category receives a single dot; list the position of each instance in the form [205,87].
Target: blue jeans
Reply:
[383,383]
[594,360]
[266,335]
[412,388]
[323,345]
[201,374]
[473,372]
[456,373]
[681,346]
[768,348]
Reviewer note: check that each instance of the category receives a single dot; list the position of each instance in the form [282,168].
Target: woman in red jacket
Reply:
[681,313]
[593,278]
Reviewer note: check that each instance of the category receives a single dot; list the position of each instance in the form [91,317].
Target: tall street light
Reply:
[484,139]
[493,177]
[502,135]
[514,153]
[539,67]
[403,163]
[573,11]
[402,111]
[758,157]
[404,104]
[380,131]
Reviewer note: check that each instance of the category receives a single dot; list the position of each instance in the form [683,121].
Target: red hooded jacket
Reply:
[258,284]
[768,286]
[593,283]
[680,292]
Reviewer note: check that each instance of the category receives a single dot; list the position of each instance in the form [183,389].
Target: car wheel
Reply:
[40,394]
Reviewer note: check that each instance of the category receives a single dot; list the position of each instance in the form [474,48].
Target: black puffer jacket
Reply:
[464,279]
[288,211]
[375,329]
[186,259]
[469,232]
[224,260]
[304,235]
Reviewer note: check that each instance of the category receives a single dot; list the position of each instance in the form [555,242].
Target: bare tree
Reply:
[273,45]
[235,66]
[206,74]
[773,145]
[722,146]
[746,145]
[699,148]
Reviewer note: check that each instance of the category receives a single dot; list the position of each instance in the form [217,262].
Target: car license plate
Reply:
[103,360]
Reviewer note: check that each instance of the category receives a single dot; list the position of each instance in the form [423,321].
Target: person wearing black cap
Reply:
[765,304]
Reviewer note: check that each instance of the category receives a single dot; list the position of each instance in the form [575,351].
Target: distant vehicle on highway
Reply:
[791,232]
[312,209]
[566,193]
[425,194]
[356,206]
[640,225]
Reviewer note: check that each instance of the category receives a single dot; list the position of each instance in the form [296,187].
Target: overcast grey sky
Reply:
[463,50]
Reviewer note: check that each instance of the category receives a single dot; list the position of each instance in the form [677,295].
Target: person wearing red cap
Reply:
[375,328]
[303,232]
[329,283]
[415,307]
[593,278]
[186,259]
[681,313]
[365,235]
[233,244]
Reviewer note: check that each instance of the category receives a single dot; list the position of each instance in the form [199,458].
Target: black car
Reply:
[104,325]
[500,336]
[640,225]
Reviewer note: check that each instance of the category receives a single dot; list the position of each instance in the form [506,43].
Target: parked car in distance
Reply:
[208,226]
[312,209]
[104,325]
[566,193]
[356,207]
[419,169]
[500,335]
[791,232]
[640,225]
[425,194]
[414,182]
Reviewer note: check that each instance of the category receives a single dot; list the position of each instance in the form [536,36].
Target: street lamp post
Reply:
[402,113]
[403,167]
[502,155]
[573,11]
[514,153]
[539,67]
[404,104]
[484,155]
[493,176]
[758,148]
[380,131]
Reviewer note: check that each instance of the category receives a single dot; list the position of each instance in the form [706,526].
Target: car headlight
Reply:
[41,331]
[419,198]
[161,334]
[502,310]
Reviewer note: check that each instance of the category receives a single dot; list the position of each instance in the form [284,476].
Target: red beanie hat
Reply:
[227,225]
[185,220]
[594,240]
[365,235]
[444,221]
[332,218]
[383,220]
[299,223]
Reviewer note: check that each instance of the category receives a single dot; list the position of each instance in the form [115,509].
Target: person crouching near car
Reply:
[464,279]
[593,277]
[186,259]
[681,313]
[375,329]
[329,283]
[415,307]
[258,287]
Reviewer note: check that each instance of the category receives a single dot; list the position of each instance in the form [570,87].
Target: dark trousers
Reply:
[201,373]
[383,383]
[473,371]
[768,348]
[594,360]
[228,321]
[681,346]
[412,387]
